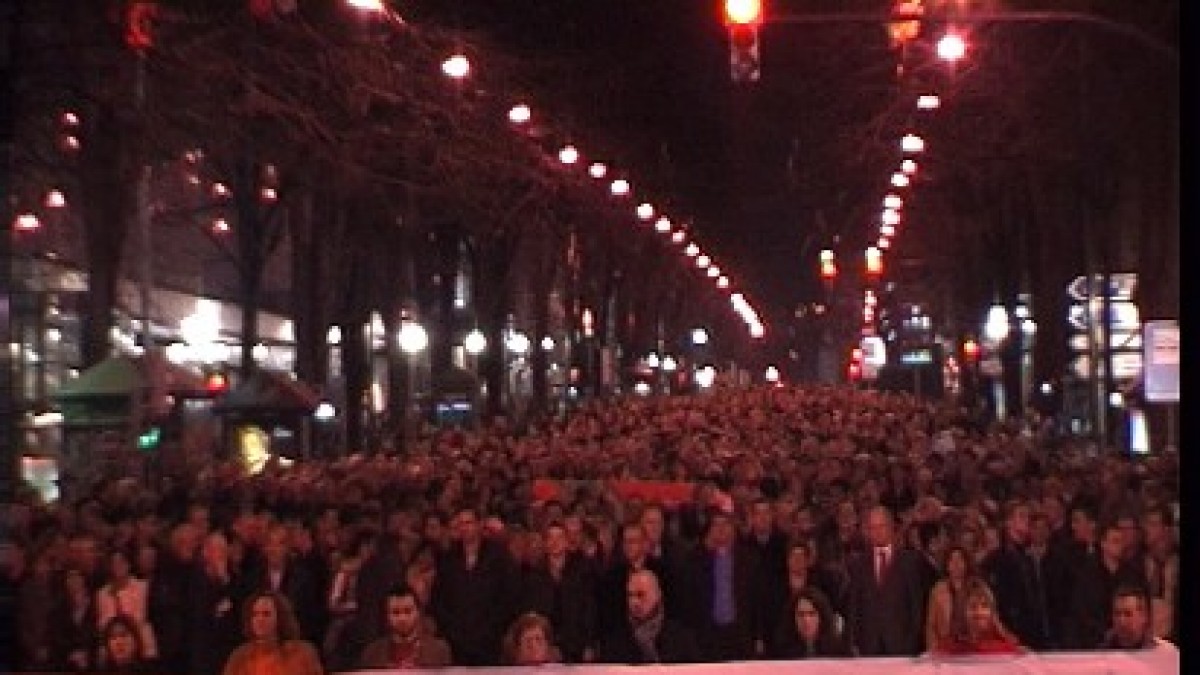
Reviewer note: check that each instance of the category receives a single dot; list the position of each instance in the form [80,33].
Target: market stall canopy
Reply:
[123,375]
[104,395]
[267,391]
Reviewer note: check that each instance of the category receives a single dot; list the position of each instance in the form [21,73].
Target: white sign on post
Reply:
[1160,364]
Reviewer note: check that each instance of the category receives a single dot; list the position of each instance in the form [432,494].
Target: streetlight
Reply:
[619,187]
[568,155]
[475,342]
[645,211]
[699,336]
[912,143]
[456,66]
[662,225]
[928,102]
[519,114]
[951,47]
[597,170]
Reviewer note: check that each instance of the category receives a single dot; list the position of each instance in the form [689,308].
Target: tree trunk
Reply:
[307,311]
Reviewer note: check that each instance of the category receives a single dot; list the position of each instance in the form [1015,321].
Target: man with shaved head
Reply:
[647,635]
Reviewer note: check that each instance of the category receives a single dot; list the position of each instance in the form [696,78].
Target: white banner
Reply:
[1158,661]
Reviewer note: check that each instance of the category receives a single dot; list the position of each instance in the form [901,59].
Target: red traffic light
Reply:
[216,383]
[971,350]
[743,12]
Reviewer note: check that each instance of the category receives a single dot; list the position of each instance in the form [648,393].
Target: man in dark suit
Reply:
[1012,575]
[472,595]
[561,588]
[770,549]
[721,604]
[647,635]
[886,605]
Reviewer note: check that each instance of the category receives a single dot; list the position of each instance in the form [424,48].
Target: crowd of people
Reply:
[818,521]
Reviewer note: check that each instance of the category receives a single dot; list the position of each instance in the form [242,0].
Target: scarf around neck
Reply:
[645,634]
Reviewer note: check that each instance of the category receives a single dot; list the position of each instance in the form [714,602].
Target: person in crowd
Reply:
[13,652]
[561,588]
[35,603]
[947,598]
[274,642]
[126,595]
[217,589]
[343,639]
[474,573]
[73,640]
[1132,626]
[168,593]
[121,648]
[666,551]
[405,642]
[1161,561]
[808,629]
[980,631]
[769,546]
[529,641]
[647,635]
[886,604]
[724,592]
[634,555]
[1095,580]
[278,570]
[1011,573]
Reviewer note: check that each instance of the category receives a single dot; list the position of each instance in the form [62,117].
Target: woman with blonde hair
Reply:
[979,631]
[530,642]
[274,645]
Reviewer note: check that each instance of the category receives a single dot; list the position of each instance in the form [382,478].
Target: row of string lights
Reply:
[521,116]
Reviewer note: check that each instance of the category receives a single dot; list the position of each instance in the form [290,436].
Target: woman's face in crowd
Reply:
[980,615]
[533,646]
[956,564]
[808,619]
[264,623]
[121,644]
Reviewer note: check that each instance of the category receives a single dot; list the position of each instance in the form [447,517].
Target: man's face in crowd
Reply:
[654,524]
[633,542]
[466,524]
[643,596]
[556,541]
[1154,529]
[1083,528]
[1113,544]
[722,532]
[403,615]
[1130,620]
[879,528]
[762,518]
[1018,524]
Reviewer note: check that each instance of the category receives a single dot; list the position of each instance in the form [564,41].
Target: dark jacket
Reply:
[610,595]
[567,602]
[69,635]
[169,592]
[770,581]
[301,587]
[473,607]
[214,633]
[1092,591]
[735,640]
[886,619]
[675,644]
[1020,597]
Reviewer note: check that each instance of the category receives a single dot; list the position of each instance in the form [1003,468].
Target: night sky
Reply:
[769,173]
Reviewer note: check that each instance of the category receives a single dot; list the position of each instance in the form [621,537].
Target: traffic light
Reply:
[216,383]
[970,350]
[874,261]
[828,266]
[743,18]
[149,439]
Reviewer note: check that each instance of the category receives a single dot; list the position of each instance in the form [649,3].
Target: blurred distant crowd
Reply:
[815,521]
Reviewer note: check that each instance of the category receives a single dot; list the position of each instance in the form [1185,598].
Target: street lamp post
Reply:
[413,339]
